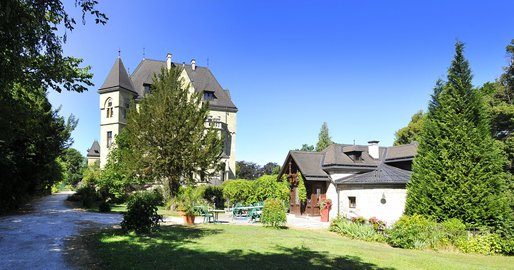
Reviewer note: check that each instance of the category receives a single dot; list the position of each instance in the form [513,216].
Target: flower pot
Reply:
[324,214]
[189,219]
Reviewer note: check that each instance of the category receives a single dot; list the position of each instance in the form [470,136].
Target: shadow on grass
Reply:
[168,249]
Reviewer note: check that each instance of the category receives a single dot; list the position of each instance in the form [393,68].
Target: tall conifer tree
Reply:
[324,139]
[458,171]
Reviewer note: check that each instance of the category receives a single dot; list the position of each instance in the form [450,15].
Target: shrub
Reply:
[266,187]
[237,190]
[104,207]
[355,230]
[214,195]
[273,213]
[484,243]
[377,224]
[85,194]
[141,215]
[414,232]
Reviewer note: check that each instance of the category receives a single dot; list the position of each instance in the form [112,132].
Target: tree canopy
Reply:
[324,139]
[458,171]
[31,63]
[169,134]
[410,133]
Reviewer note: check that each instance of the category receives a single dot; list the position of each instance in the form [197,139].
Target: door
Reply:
[315,191]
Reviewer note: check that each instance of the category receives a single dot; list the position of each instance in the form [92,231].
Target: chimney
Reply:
[168,61]
[193,64]
[373,149]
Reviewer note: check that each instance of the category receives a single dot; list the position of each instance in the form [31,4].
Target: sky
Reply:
[364,67]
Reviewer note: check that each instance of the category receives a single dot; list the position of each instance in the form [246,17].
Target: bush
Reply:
[249,192]
[356,230]
[237,190]
[414,232]
[419,232]
[214,195]
[273,213]
[266,187]
[104,207]
[141,215]
[484,243]
[85,194]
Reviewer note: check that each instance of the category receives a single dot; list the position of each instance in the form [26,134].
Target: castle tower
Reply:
[115,95]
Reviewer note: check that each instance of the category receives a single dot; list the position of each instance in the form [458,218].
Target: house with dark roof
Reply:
[368,181]
[93,154]
[120,87]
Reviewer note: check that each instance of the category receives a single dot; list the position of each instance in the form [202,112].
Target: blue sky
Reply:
[364,67]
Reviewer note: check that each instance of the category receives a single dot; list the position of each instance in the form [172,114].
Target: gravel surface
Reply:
[35,239]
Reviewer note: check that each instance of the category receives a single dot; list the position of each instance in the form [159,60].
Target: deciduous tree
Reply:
[410,133]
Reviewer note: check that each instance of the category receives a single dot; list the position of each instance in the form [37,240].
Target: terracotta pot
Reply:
[324,214]
[189,220]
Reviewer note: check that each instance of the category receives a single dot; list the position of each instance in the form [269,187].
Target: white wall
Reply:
[368,202]
[332,195]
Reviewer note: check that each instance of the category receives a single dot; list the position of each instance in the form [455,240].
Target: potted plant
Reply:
[324,208]
[187,199]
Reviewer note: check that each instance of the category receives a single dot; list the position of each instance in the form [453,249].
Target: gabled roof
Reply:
[117,78]
[309,164]
[401,152]
[383,174]
[201,78]
[94,151]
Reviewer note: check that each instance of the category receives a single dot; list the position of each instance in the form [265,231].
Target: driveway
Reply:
[35,240]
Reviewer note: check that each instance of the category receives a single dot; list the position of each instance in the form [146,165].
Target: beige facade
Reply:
[120,88]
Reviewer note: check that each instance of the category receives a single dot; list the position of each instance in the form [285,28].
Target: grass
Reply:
[255,247]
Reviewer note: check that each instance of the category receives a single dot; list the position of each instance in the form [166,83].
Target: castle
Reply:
[119,88]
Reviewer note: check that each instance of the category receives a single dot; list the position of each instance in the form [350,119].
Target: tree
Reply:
[33,139]
[31,46]
[324,139]
[270,168]
[499,98]
[169,135]
[32,61]
[458,170]
[306,147]
[74,162]
[410,133]
[247,170]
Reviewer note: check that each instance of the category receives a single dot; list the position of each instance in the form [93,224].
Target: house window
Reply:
[109,139]
[352,202]
[208,95]
[109,108]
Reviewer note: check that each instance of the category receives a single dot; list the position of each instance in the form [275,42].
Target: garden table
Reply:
[215,212]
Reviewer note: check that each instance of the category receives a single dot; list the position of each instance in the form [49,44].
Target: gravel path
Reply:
[35,240]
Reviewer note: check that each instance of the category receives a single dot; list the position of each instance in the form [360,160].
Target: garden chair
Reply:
[204,212]
[236,212]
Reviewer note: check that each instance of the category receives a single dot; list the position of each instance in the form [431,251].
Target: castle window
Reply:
[108,108]
[109,139]
[208,95]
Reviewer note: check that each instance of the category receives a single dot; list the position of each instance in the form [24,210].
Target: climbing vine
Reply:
[302,191]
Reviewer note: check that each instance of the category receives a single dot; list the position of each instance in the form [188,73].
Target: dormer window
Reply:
[146,88]
[208,95]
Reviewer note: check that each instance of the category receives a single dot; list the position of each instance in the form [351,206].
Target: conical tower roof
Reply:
[117,78]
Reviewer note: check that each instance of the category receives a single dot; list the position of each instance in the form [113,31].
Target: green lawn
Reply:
[255,247]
